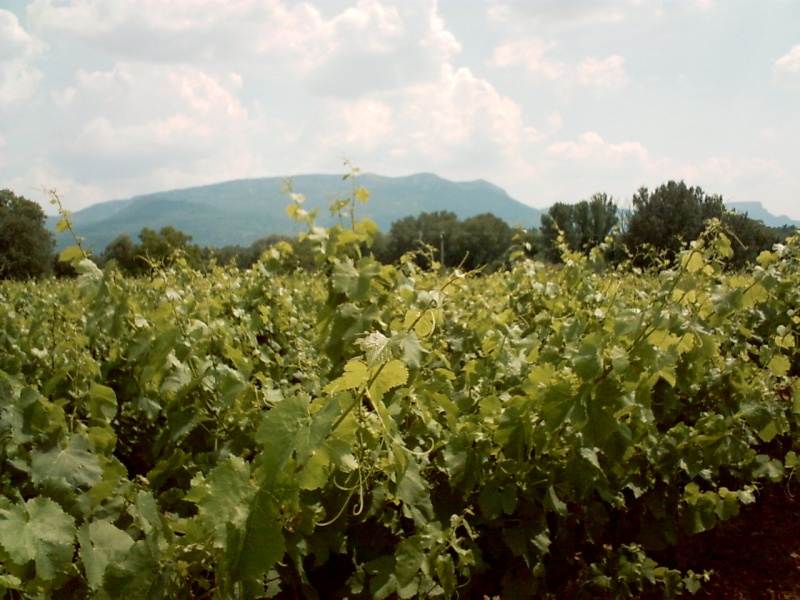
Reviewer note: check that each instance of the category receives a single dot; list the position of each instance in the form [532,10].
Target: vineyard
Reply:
[384,431]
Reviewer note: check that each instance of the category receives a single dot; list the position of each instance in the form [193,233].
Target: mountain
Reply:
[242,211]
[756,211]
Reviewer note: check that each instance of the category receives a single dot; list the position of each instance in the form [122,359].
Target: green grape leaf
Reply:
[376,347]
[72,466]
[38,531]
[391,375]
[223,498]
[71,254]
[779,365]
[362,194]
[101,543]
[409,559]
[553,502]
[356,374]
[263,544]
[587,363]
[102,402]
[693,261]
[411,349]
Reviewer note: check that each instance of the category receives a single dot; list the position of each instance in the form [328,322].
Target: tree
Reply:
[413,233]
[482,240]
[671,216]
[123,251]
[584,225]
[156,248]
[26,245]
[751,237]
[160,247]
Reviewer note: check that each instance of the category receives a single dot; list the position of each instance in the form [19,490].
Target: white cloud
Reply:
[270,31]
[369,123]
[375,47]
[461,115]
[573,170]
[787,67]
[372,45]
[601,76]
[146,125]
[18,49]
[447,126]
[529,53]
[592,147]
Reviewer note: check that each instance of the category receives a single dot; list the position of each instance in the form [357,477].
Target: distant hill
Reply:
[242,211]
[756,211]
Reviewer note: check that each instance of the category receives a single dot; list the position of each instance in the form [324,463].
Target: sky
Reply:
[551,100]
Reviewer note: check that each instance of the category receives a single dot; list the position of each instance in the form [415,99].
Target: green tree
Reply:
[477,241]
[413,233]
[482,240]
[125,253]
[161,247]
[26,245]
[558,220]
[584,225]
[672,215]
[751,237]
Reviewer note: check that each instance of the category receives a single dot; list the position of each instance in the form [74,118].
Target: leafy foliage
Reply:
[376,431]
[584,225]
[26,246]
[479,241]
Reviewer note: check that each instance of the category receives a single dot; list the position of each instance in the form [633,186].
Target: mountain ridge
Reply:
[240,211]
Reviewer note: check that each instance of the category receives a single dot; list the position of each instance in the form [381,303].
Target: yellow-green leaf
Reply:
[356,374]
[71,254]
[62,225]
[362,194]
[779,365]
[393,374]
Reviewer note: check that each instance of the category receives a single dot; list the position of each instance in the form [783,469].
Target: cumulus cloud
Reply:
[18,49]
[592,164]
[601,76]
[138,120]
[606,75]
[368,123]
[592,147]
[463,115]
[449,125]
[267,31]
[374,47]
[787,67]
[529,53]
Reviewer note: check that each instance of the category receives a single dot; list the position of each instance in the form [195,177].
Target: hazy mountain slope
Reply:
[756,211]
[239,212]
[242,211]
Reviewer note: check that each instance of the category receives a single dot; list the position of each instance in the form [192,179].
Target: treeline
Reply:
[650,233]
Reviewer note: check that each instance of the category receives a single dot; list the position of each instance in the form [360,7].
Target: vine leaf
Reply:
[73,465]
[38,531]
[393,374]
[101,543]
